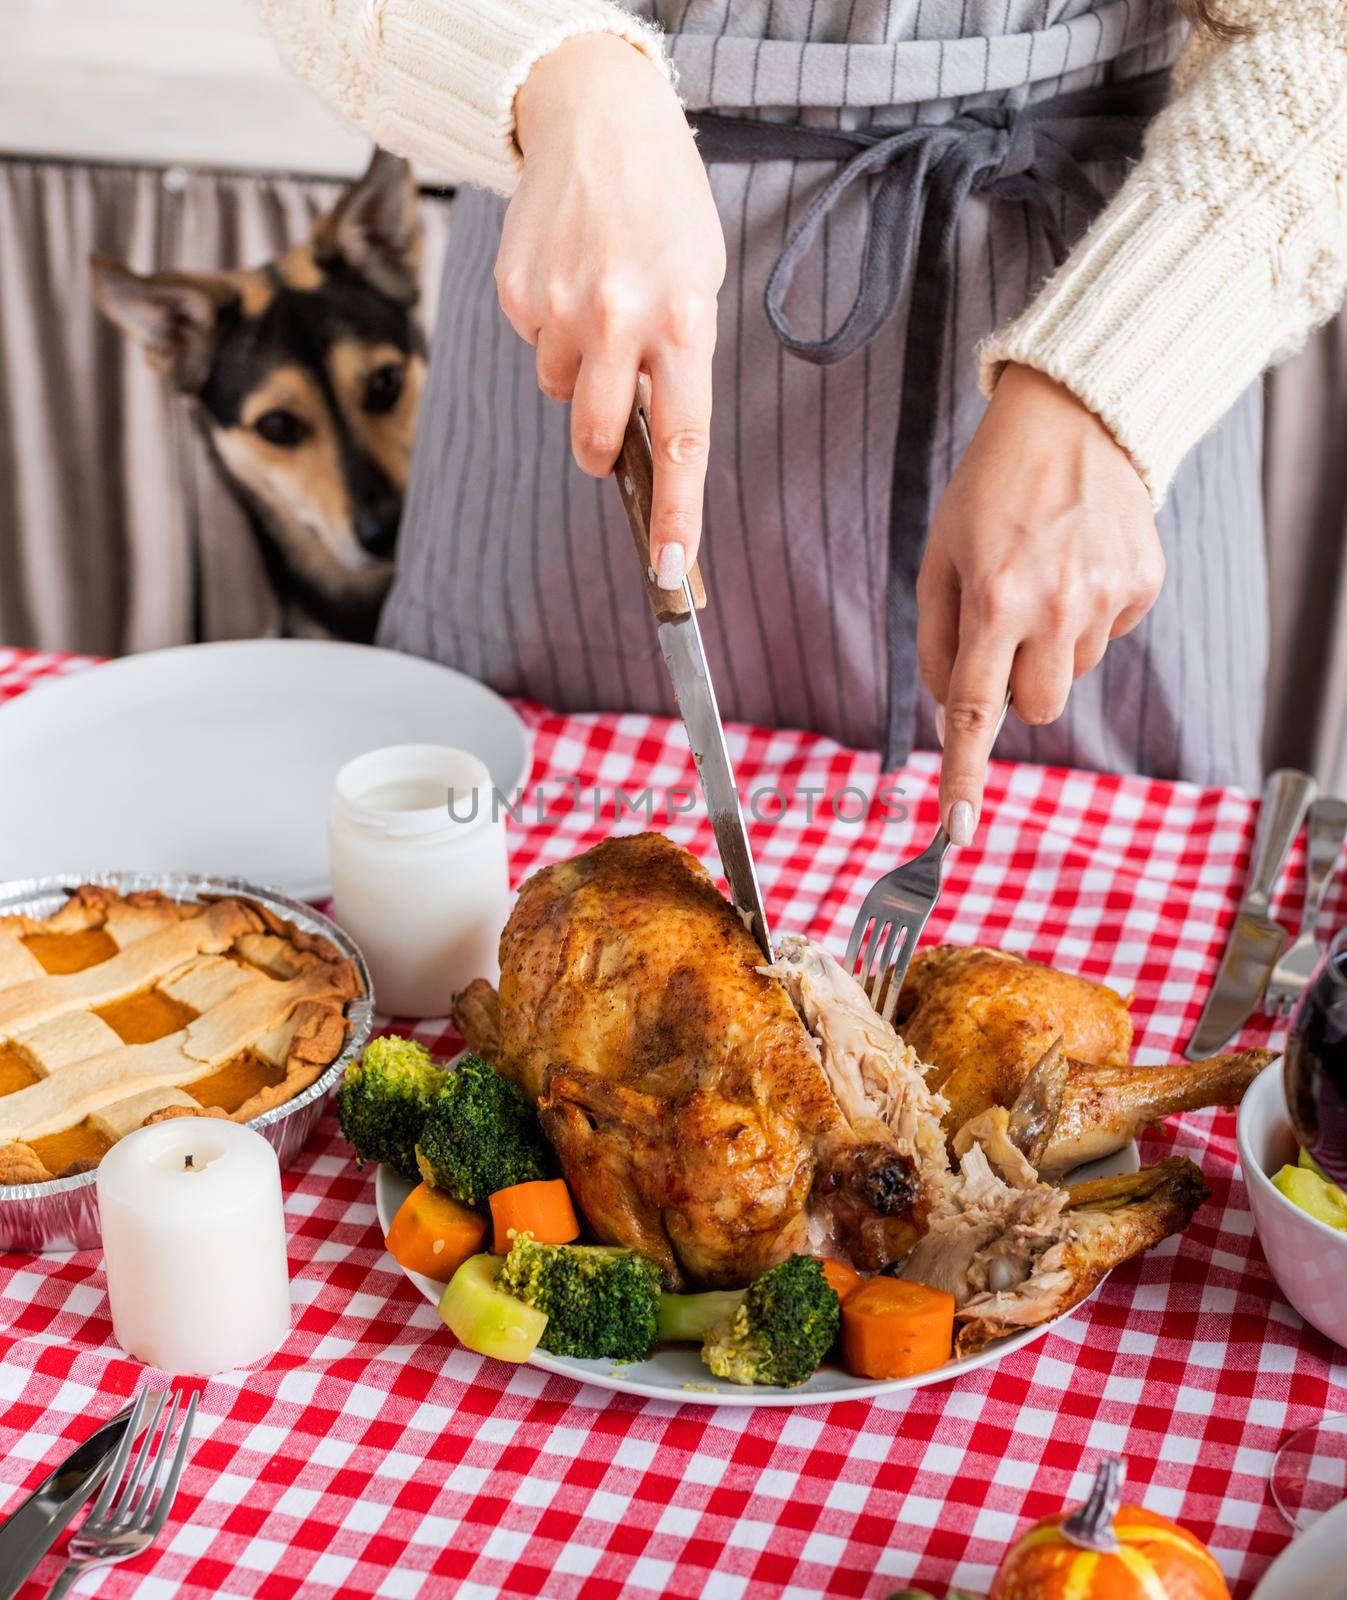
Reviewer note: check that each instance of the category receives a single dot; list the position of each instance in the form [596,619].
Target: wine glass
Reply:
[1309,1471]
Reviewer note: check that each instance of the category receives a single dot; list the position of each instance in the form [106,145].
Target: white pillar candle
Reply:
[194,1244]
[420,878]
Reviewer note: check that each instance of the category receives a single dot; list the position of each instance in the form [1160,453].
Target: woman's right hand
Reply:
[610,262]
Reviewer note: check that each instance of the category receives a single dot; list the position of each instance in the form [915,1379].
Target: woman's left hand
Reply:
[1043,549]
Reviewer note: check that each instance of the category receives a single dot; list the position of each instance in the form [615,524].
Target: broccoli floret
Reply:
[600,1301]
[480,1135]
[776,1331]
[383,1102]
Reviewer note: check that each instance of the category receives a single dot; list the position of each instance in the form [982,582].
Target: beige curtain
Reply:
[1306,493]
[115,531]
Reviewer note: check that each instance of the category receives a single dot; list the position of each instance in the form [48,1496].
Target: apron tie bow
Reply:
[1017,149]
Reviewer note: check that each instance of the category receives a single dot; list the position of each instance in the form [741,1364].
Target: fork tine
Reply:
[136,1512]
[873,973]
[121,1509]
[113,1479]
[866,948]
[887,1003]
[875,988]
[892,933]
[859,929]
[164,1504]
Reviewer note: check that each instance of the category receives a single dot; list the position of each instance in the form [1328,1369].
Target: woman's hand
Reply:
[1043,549]
[610,262]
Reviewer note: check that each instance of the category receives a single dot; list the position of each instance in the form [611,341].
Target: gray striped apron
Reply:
[515,567]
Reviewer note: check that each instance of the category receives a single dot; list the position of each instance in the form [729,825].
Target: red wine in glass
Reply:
[1316,1064]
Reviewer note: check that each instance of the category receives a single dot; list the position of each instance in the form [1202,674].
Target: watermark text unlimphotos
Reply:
[664,804]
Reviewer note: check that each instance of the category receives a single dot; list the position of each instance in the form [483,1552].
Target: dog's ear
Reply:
[374,229]
[173,315]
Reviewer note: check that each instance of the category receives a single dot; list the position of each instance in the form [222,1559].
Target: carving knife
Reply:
[1256,941]
[680,641]
[33,1527]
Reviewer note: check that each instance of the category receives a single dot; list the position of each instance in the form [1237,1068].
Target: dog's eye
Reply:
[383,388]
[282,428]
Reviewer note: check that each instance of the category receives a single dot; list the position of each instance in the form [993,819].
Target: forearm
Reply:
[436,79]
[1224,247]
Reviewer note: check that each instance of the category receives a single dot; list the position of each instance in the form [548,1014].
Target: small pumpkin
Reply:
[1108,1551]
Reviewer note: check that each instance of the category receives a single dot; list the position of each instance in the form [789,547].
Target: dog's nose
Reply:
[376,526]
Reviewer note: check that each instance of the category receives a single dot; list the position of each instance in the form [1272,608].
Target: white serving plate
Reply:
[675,1372]
[1312,1567]
[219,758]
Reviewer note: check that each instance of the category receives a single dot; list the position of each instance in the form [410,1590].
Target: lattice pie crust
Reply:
[256,1007]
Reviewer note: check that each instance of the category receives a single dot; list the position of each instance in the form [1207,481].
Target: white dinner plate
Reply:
[1314,1566]
[676,1372]
[219,758]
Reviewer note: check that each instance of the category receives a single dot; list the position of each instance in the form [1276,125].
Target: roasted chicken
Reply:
[984,1020]
[695,1117]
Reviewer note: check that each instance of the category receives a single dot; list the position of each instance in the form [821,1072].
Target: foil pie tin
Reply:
[62,1214]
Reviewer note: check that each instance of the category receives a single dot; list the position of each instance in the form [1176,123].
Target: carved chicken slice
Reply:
[878,1080]
[985,1019]
[695,1117]
[1014,1254]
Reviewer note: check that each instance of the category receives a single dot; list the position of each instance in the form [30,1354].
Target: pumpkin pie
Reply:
[123,1009]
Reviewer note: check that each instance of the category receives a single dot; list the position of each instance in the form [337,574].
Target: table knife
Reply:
[680,641]
[33,1527]
[1256,941]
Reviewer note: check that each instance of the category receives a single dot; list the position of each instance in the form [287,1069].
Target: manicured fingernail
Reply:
[961,822]
[940,725]
[673,564]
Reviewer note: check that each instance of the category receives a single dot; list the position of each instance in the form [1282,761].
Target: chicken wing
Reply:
[1105,1106]
[476,1015]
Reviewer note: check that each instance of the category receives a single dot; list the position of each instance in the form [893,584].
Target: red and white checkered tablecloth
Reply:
[372,1456]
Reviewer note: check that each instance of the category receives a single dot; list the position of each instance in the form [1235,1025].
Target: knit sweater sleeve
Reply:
[1226,244]
[436,80]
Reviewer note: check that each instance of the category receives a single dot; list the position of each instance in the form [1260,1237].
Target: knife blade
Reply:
[1256,941]
[35,1525]
[680,641]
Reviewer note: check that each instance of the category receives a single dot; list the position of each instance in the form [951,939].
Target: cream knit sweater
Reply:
[1225,246]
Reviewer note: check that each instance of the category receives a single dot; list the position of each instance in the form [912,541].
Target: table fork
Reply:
[1295,968]
[133,1506]
[895,911]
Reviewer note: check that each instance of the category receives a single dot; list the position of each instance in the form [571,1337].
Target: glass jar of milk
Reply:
[419,872]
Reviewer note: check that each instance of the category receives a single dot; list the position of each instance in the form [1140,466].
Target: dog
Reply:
[304,378]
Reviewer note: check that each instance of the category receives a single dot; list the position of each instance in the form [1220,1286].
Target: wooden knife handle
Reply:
[635,472]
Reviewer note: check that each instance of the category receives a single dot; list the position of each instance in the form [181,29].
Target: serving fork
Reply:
[895,911]
[133,1505]
[1295,967]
